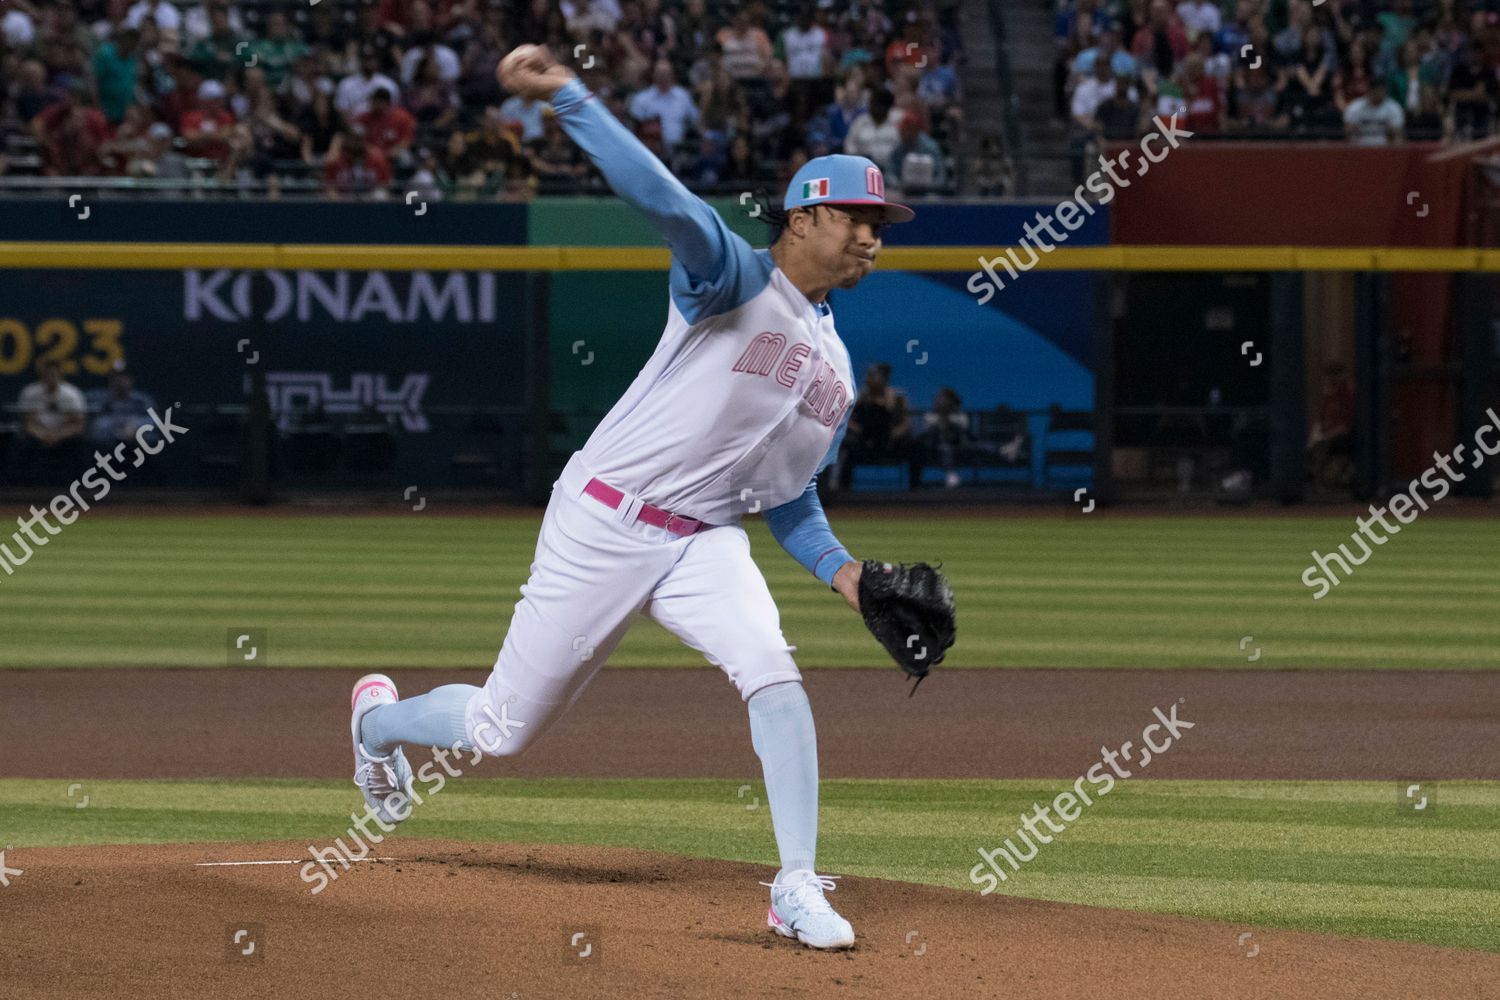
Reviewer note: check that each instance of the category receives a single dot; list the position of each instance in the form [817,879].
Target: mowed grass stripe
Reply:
[1064,592]
[1327,856]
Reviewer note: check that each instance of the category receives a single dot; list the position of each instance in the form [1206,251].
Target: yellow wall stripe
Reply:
[174,256]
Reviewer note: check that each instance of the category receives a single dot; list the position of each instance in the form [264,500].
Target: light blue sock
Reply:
[781,729]
[434,719]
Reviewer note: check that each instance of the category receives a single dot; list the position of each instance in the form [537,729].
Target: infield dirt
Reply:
[497,920]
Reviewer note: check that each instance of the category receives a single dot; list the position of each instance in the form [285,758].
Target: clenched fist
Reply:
[530,70]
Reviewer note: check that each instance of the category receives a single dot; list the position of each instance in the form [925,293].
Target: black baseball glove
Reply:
[909,607]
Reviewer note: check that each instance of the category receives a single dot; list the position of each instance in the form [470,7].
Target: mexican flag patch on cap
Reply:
[815,188]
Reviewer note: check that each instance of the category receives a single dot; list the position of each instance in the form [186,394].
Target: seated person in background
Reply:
[387,127]
[52,414]
[917,162]
[69,133]
[1375,119]
[119,411]
[879,425]
[944,430]
[1330,445]
[358,169]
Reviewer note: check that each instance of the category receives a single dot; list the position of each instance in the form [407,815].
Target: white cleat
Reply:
[379,777]
[800,910]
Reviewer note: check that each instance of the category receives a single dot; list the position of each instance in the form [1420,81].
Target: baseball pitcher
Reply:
[743,402]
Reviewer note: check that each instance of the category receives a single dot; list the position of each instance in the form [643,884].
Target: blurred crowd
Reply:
[355,96]
[1374,72]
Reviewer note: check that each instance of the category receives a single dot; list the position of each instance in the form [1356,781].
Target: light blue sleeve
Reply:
[713,269]
[801,526]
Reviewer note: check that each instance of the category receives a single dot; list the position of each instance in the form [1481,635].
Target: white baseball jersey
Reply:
[747,393]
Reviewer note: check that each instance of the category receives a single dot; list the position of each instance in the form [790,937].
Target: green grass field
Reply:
[1094,591]
[1334,857]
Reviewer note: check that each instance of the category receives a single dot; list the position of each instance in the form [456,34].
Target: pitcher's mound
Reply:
[515,921]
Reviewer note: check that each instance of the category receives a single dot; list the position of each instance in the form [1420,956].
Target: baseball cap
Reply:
[841,179]
[210,90]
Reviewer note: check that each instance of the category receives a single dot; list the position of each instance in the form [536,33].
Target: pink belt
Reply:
[612,498]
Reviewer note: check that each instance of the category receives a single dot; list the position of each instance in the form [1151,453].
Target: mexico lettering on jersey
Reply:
[741,404]
[748,391]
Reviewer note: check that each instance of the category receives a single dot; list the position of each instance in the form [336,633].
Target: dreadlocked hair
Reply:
[766,210]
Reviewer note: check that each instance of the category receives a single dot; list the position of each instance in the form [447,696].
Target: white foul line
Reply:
[230,864]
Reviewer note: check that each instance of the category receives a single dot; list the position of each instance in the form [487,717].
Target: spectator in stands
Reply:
[1205,102]
[197,24]
[218,55]
[357,169]
[425,46]
[119,411]
[705,169]
[721,103]
[1119,116]
[353,95]
[280,50]
[1428,123]
[53,414]
[480,159]
[1088,95]
[115,69]
[1330,444]
[1353,79]
[1307,86]
[435,104]
[207,129]
[429,179]
[297,89]
[32,95]
[69,133]
[321,127]
[747,50]
[554,155]
[269,139]
[130,152]
[851,102]
[1199,17]
[994,177]
[1255,103]
[18,26]
[1217,65]
[166,17]
[804,48]
[477,83]
[916,47]
[1121,63]
[388,128]
[917,164]
[876,133]
[1375,119]
[945,429]
[1077,29]
[1473,91]
[666,102]
[879,426]
[585,16]
[740,166]
[1161,41]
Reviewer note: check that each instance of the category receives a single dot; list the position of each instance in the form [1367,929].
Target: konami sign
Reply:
[339,296]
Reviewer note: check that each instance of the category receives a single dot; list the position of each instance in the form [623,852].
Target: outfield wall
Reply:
[424,351]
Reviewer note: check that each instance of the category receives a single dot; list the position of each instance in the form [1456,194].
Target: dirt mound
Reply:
[503,921]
